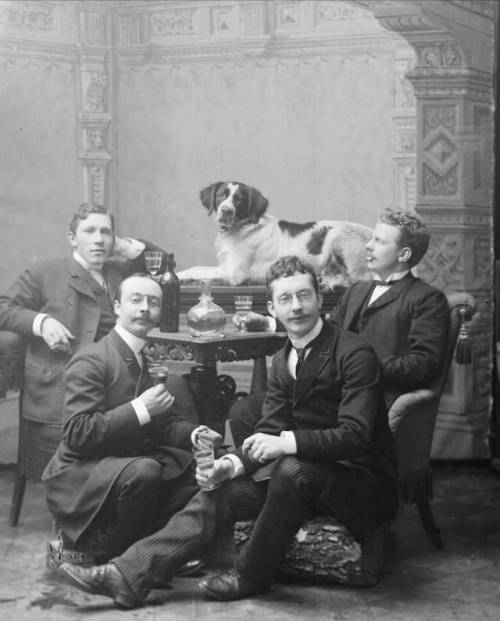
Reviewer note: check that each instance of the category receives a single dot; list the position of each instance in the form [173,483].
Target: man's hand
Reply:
[254,322]
[158,401]
[262,447]
[56,335]
[205,434]
[222,471]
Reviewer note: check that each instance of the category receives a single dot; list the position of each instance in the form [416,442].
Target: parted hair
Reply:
[413,233]
[84,211]
[289,265]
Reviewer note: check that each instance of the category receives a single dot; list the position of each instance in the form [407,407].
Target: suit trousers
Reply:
[295,490]
[132,509]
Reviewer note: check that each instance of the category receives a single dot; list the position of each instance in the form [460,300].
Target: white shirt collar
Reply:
[392,277]
[134,342]
[84,263]
[311,335]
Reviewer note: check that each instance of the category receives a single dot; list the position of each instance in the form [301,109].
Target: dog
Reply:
[249,241]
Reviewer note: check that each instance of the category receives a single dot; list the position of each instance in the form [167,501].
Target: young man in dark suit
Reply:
[322,446]
[61,304]
[405,319]
[125,457]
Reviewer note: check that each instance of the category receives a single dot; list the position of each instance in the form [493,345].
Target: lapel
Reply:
[314,362]
[356,302]
[79,279]
[392,293]
[126,354]
[113,280]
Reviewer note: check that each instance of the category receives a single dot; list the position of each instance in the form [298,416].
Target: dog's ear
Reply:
[207,196]
[257,204]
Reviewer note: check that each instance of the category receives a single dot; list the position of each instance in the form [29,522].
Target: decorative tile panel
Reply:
[435,115]
[440,185]
[175,22]
[443,264]
[223,20]
[32,15]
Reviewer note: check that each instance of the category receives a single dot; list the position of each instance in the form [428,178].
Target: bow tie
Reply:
[383,283]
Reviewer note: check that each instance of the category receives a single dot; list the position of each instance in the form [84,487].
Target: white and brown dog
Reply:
[249,240]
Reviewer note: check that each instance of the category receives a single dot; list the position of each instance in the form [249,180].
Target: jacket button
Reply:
[71,301]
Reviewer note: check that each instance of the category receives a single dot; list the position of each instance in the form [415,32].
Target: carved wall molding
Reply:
[39,15]
[481,7]
[468,219]
[27,53]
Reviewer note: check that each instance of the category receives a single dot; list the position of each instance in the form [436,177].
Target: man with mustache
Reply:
[124,463]
[405,319]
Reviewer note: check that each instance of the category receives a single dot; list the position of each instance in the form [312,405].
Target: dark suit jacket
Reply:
[407,326]
[335,409]
[101,432]
[60,288]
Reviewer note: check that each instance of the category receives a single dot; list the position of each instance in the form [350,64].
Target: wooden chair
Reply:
[412,418]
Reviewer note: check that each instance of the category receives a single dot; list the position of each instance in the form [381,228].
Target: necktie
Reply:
[300,359]
[383,283]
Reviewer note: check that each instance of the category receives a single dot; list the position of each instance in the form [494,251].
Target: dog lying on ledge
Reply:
[249,241]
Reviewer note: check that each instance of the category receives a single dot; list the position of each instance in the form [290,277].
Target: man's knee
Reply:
[140,475]
[244,416]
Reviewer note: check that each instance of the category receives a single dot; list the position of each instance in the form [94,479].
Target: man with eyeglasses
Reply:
[322,446]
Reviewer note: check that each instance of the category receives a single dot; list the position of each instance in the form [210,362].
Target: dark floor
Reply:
[461,583]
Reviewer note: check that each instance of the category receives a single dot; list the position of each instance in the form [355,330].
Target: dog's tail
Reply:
[344,261]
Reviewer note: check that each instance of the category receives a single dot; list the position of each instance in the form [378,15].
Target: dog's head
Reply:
[234,203]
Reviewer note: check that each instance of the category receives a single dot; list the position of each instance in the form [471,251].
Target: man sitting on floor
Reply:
[322,446]
[125,461]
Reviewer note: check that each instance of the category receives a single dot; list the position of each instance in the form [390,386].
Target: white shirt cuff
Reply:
[128,248]
[141,411]
[37,324]
[289,442]
[238,468]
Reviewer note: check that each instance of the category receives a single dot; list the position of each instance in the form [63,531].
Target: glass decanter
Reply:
[206,319]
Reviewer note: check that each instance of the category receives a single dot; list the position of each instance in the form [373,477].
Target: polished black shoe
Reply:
[228,586]
[100,580]
[191,569]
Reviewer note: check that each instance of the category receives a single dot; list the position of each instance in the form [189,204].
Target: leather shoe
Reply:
[100,580]
[228,586]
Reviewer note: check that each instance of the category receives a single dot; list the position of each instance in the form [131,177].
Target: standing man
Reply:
[59,305]
[323,441]
[125,456]
[405,319]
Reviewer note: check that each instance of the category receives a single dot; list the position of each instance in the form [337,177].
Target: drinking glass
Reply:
[204,456]
[158,371]
[243,305]
[153,259]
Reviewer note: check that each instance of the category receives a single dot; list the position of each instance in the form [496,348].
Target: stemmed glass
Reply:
[243,305]
[153,259]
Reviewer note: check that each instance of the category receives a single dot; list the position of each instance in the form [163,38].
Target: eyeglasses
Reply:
[302,296]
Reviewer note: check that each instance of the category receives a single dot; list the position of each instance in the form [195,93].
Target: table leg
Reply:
[211,405]
[259,376]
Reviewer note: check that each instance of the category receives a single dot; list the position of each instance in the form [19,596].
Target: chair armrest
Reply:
[407,403]
[412,420]
[12,350]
